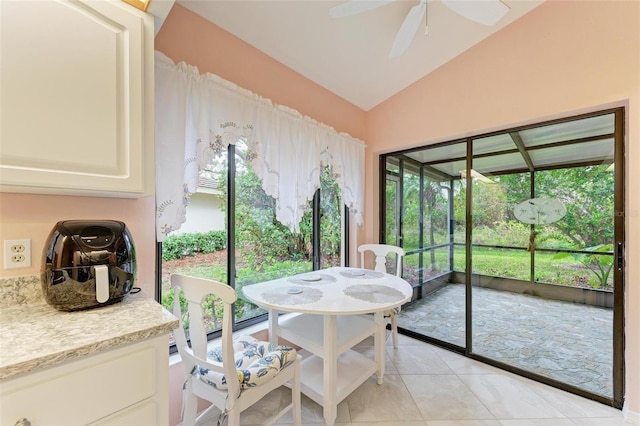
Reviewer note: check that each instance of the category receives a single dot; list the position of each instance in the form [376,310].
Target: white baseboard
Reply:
[631,417]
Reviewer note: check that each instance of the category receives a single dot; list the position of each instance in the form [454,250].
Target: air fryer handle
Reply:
[102,283]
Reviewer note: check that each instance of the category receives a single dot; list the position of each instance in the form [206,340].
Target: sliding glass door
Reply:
[429,205]
[554,261]
[514,245]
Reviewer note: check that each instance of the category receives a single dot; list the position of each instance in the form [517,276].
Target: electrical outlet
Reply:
[17,254]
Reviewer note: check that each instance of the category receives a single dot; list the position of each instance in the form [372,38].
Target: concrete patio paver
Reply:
[568,342]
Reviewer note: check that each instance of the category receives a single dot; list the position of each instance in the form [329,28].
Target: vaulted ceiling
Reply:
[349,56]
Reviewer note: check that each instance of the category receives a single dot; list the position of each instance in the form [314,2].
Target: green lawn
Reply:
[515,264]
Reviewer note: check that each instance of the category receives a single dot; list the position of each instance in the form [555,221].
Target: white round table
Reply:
[331,303]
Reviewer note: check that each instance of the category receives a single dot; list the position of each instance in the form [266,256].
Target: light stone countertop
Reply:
[34,335]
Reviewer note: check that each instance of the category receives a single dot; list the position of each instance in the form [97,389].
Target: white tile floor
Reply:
[428,386]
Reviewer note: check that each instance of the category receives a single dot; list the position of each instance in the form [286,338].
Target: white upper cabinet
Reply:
[76,104]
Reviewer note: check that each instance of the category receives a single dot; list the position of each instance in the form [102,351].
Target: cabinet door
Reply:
[143,414]
[75,117]
[123,386]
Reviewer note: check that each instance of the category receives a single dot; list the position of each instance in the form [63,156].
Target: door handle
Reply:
[620,257]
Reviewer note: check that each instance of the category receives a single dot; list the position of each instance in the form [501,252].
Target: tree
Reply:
[586,192]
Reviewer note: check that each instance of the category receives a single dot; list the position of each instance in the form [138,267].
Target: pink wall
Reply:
[251,69]
[562,58]
[33,216]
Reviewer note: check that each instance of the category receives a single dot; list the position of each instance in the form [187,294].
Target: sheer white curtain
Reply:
[199,115]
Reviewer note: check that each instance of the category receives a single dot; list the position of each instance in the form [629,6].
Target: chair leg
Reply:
[233,418]
[295,394]
[190,407]
[394,330]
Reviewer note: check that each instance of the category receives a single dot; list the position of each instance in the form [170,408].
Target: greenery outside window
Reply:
[231,198]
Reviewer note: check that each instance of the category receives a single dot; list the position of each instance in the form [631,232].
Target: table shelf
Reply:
[353,370]
[306,330]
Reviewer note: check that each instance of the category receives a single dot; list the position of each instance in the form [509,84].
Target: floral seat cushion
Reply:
[256,362]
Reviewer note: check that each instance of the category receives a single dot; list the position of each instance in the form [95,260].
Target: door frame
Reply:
[618,362]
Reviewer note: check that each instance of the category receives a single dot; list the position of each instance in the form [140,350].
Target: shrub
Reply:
[511,233]
[181,245]
[599,265]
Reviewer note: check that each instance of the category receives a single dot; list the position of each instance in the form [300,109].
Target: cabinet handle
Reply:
[23,422]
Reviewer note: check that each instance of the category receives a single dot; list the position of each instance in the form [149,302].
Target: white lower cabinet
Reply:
[124,386]
[144,413]
[76,102]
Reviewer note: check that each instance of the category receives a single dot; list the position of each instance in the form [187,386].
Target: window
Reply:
[230,200]
[256,183]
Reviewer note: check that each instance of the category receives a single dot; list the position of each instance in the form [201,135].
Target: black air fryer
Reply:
[87,264]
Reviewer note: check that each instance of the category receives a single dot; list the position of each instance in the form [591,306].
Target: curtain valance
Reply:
[199,115]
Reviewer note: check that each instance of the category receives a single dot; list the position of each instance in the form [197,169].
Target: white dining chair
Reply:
[381,252]
[256,367]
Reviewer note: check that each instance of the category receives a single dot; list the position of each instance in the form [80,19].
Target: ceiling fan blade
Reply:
[485,12]
[354,7]
[408,29]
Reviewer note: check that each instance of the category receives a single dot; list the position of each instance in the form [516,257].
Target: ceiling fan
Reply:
[485,12]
